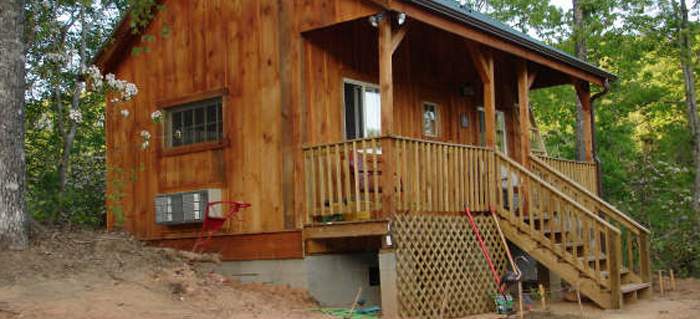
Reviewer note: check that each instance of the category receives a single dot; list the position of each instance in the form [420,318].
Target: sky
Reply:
[564,4]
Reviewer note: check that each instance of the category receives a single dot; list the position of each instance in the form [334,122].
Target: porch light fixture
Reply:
[375,19]
[401,18]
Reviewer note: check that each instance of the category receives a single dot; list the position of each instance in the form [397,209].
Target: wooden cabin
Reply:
[345,122]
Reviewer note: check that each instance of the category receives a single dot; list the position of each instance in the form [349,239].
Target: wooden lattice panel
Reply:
[440,267]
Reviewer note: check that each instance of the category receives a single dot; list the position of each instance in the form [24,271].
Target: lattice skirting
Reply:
[440,267]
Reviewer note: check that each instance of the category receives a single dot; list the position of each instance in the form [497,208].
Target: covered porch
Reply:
[403,116]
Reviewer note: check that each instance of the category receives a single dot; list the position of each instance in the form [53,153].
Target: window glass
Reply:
[363,112]
[194,123]
[501,134]
[430,119]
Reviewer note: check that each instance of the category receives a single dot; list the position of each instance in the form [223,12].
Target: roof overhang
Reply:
[450,16]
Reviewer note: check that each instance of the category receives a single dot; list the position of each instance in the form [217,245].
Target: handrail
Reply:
[592,196]
[567,160]
[551,188]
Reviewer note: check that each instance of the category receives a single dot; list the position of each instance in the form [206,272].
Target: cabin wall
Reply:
[230,46]
[281,87]
[212,45]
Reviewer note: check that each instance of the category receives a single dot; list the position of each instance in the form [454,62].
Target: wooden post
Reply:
[615,262]
[644,257]
[386,91]
[542,296]
[483,62]
[661,282]
[523,108]
[672,277]
[584,95]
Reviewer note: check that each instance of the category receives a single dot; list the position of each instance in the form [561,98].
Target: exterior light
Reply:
[375,19]
[401,18]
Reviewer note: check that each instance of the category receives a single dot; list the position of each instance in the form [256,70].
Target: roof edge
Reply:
[478,21]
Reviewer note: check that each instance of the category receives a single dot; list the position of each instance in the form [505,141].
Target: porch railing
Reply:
[634,237]
[344,179]
[558,223]
[583,173]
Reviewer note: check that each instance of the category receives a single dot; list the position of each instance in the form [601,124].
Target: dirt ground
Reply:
[683,303]
[83,274]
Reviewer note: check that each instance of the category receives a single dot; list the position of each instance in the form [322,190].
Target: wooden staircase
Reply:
[572,232]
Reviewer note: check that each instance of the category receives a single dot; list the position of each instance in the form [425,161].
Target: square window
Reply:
[194,123]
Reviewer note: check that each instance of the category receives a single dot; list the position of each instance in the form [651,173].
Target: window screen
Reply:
[195,123]
[363,110]
[430,119]
[501,134]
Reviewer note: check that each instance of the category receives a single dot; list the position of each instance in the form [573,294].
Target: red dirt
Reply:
[683,303]
[85,274]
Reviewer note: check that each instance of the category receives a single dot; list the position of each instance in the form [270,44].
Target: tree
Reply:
[686,53]
[580,16]
[13,220]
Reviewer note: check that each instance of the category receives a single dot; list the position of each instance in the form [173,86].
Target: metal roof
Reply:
[467,16]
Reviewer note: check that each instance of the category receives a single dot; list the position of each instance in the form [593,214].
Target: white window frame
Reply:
[482,139]
[364,85]
[436,108]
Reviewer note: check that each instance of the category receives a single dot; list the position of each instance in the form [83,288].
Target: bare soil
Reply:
[86,274]
[683,303]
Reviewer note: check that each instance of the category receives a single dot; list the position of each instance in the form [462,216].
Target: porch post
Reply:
[386,91]
[483,62]
[583,92]
[523,108]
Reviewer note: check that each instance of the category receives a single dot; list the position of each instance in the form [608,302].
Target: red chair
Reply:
[212,224]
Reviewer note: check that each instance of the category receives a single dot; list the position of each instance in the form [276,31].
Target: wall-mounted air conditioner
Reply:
[186,207]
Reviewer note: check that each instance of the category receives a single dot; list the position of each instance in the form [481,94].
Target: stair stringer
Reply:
[603,297]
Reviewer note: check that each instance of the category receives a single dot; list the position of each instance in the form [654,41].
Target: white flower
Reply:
[95,76]
[124,113]
[146,135]
[145,144]
[75,115]
[156,116]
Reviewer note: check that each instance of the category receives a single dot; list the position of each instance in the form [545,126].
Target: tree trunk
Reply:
[69,135]
[13,219]
[685,48]
[582,53]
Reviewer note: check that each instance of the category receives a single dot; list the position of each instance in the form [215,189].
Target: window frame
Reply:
[166,106]
[482,138]
[364,85]
[436,108]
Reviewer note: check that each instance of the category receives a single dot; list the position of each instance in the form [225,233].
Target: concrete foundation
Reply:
[333,280]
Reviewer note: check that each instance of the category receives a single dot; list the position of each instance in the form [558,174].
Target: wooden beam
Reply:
[454,27]
[583,92]
[346,230]
[386,91]
[523,107]
[531,77]
[483,62]
[397,38]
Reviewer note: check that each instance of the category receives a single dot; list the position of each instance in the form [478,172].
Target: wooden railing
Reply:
[343,180]
[583,173]
[441,177]
[558,223]
[635,237]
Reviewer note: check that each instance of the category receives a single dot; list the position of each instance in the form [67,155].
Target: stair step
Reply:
[627,288]
[623,271]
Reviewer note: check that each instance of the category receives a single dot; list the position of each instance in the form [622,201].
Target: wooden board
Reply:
[278,245]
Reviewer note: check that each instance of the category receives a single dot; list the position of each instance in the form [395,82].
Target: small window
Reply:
[363,112]
[430,119]
[501,134]
[194,123]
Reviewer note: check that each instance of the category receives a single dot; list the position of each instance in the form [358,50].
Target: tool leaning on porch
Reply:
[504,302]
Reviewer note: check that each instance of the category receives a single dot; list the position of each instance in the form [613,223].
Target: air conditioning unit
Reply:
[186,207]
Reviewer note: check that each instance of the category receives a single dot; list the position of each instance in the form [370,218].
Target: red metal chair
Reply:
[212,224]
